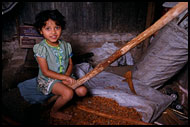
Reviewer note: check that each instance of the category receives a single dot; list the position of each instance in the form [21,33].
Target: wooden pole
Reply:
[171,14]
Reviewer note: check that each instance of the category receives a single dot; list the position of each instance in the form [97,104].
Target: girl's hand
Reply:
[69,81]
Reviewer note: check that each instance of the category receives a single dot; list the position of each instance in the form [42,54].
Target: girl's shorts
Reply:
[45,85]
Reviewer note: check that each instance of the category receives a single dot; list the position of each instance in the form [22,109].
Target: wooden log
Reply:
[171,14]
[81,107]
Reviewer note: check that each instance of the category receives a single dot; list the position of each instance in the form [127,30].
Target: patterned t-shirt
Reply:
[57,57]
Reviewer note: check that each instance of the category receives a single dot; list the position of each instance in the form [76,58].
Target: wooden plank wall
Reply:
[89,16]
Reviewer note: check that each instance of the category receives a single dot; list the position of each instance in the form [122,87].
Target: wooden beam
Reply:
[149,21]
[171,14]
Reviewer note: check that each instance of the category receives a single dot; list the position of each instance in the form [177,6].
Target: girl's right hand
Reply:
[69,81]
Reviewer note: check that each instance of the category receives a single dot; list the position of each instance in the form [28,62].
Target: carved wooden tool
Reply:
[128,76]
[171,14]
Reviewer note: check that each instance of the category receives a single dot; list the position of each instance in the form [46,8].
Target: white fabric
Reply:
[107,50]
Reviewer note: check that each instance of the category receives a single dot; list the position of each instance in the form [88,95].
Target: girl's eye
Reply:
[57,27]
[47,28]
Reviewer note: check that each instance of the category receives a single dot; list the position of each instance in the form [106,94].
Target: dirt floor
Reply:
[97,111]
[85,111]
[89,110]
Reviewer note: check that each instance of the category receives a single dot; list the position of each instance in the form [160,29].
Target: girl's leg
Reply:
[81,91]
[50,100]
[64,95]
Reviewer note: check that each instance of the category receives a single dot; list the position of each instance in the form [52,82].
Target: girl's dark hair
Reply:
[54,15]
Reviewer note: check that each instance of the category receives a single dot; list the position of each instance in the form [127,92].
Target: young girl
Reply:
[55,63]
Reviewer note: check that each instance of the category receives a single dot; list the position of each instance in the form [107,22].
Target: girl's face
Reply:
[51,32]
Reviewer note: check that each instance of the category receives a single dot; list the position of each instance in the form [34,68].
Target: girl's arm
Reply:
[51,74]
[70,68]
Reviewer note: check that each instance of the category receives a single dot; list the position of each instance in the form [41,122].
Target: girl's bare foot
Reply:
[60,115]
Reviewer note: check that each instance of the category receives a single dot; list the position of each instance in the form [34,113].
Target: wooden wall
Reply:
[82,16]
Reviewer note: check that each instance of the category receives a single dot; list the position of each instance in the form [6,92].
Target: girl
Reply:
[55,63]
